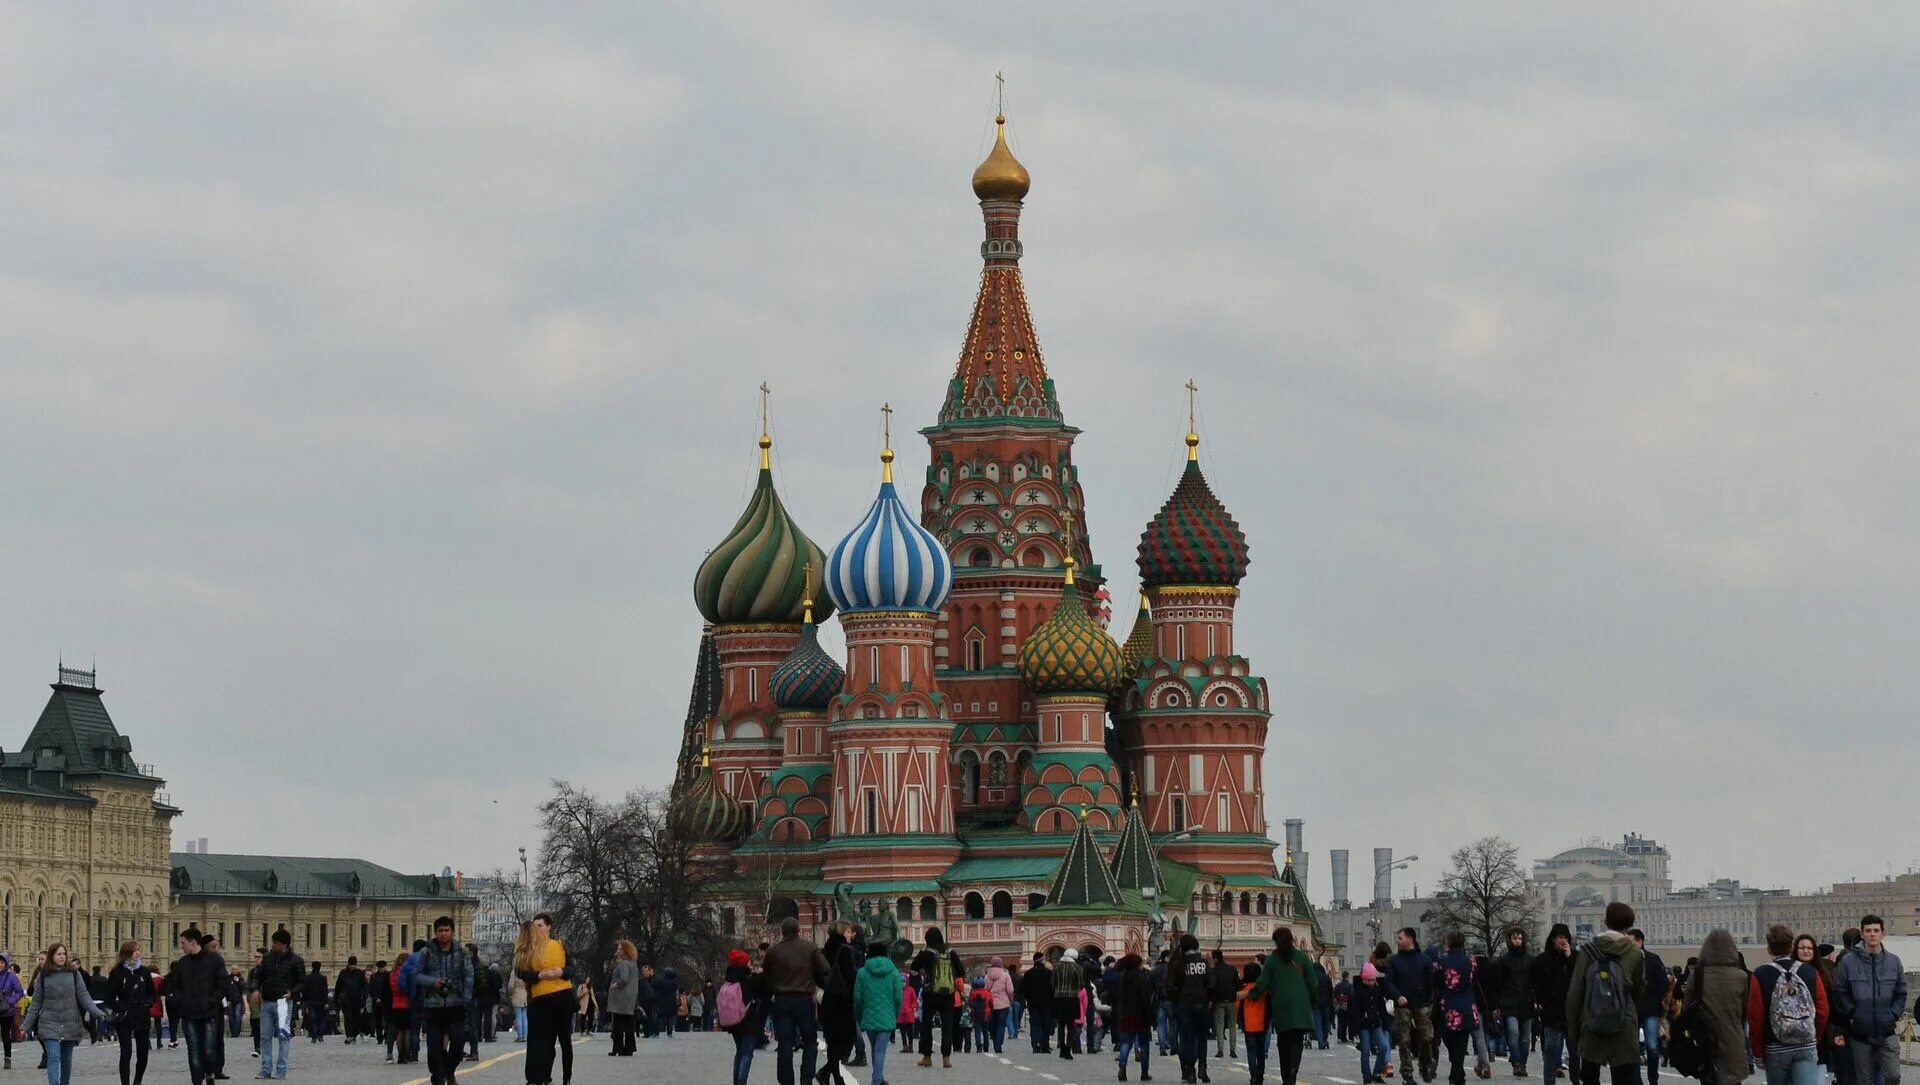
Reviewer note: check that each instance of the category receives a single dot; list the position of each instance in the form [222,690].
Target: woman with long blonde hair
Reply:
[60,1004]
[541,960]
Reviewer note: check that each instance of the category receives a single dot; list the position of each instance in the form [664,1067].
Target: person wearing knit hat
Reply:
[1372,1018]
[740,1010]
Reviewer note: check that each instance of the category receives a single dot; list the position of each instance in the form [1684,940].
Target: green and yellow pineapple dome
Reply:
[1069,652]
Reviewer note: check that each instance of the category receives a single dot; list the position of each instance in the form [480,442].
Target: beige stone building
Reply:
[1895,900]
[85,832]
[333,908]
[86,837]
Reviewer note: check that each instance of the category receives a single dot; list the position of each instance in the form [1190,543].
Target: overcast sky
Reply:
[373,378]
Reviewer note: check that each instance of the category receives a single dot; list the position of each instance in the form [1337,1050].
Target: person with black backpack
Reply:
[1551,974]
[1603,1022]
[1786,1014]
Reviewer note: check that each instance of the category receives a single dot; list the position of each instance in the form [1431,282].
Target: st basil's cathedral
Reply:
[987,759]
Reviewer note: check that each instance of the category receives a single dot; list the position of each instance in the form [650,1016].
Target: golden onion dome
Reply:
[1069,652]
[1001,176]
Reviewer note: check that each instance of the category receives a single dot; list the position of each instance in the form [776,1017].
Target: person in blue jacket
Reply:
[1871,989]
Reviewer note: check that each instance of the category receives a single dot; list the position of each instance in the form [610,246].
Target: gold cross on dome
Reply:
[886,422]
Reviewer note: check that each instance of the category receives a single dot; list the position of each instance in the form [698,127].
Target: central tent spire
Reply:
[1000,373]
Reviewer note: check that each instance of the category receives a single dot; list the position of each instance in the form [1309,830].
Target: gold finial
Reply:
[1083,811]
[1001,176]
[1193,433]
[1144,605]
[1289,854]
[1066,520]
[886,453]
[806,588]
[706,757]
[766,439]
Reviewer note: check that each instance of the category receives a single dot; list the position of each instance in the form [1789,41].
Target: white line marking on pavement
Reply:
[1340,1080]
[1024,1069]
[1048,1076]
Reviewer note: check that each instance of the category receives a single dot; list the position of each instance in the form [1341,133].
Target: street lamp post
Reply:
[1373,916]
[1156,918]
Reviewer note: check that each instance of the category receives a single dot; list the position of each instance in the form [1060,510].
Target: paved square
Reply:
[687,1059]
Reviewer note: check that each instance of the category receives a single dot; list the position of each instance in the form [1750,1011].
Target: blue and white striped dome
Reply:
[889,562]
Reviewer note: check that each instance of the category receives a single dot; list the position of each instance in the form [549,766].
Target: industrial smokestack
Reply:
[1296,845]
[1383,877]
[1339,899]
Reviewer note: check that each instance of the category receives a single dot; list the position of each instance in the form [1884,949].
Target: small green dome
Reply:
[704,814]
[1069,652]
[759,572]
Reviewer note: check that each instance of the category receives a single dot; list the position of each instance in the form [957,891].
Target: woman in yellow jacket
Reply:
[541,961]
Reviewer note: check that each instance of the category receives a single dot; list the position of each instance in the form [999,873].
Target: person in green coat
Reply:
[1290,984]
[877,992]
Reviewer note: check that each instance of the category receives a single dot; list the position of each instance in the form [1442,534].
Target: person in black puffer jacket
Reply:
[1552,975]
[128,993]
[197,983]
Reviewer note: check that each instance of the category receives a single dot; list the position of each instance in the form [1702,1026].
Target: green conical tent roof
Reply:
[704,702]
[1083,878]
[1134,866]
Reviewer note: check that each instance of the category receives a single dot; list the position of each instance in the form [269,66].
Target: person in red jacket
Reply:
[399,1027]
[1792,1059]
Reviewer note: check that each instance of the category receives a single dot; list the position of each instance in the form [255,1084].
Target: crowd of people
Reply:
[1612,1006]
[1811,1011]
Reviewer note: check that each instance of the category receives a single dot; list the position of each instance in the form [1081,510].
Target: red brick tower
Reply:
[889,732]
[1194,722]
[999,487]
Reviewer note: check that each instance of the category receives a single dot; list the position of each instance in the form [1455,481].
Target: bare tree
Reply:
[613,870]
[1484,895]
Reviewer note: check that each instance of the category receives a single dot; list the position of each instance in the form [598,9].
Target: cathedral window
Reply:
[1003,905]
[1260,904]
[997,770]
[1244,901]
[981,558]
[1036,900]
[975,906]
[929,909]
[873,812]
[1179,814]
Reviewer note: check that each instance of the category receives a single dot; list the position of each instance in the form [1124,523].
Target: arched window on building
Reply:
[903,908]
[1035,900]
[1260,904]
[996,769]
[929,909]
[1246,902]
[976,906]
[780,908]
[1179,814]
[980,558]
[970,779]
[1003,905]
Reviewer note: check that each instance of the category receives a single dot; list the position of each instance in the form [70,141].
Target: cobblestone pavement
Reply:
[687,1059]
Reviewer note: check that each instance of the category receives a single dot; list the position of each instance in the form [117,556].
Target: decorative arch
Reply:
[1002,904]
[974,905]
[929,909]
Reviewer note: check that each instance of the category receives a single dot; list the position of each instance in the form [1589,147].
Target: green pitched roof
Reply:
[214,875]
[75,725]
[1134,866]
[1083,878]
[1026,868]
